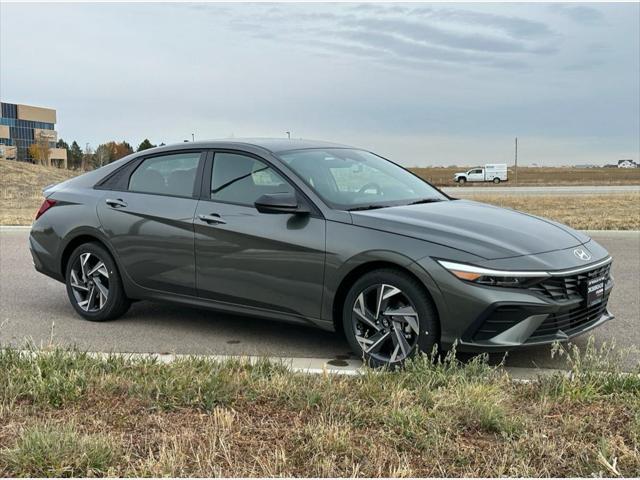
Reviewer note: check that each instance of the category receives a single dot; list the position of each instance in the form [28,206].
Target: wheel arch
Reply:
[352,276]
[78,238]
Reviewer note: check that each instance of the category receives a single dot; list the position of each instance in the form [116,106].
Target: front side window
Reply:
[166,175]
[348,178]
[238,178]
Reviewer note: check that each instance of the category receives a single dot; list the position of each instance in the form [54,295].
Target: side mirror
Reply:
[279,203]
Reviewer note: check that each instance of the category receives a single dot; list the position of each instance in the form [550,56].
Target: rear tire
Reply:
[496,180]
[94,285]
[374,332]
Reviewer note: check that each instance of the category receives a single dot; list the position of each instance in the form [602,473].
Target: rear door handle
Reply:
[213,218]
[118,203]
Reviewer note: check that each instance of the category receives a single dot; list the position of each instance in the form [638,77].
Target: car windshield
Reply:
[349,179]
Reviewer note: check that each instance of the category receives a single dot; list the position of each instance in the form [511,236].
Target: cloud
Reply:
[399,33]
[581,14]
[516,27]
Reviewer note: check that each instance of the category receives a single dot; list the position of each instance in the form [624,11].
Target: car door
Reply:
[268,261]
[148,218]
[476,175]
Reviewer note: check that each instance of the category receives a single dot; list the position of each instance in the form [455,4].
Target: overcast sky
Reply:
[425,84]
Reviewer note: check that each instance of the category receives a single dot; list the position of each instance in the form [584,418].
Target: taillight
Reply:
[46,205]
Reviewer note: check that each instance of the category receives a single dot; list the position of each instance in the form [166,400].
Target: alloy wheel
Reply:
[385,323]
[89,281]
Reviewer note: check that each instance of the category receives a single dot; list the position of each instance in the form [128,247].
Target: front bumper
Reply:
[486,318]
[526,326]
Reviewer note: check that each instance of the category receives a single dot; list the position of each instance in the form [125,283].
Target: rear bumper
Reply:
[42,260]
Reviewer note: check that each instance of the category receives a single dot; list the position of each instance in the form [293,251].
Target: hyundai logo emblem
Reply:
[582,254]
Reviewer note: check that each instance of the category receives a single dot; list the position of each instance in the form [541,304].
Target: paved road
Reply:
[459,191]
[35,307]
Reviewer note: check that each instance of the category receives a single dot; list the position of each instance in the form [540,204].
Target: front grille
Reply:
[571,321]
[569,287]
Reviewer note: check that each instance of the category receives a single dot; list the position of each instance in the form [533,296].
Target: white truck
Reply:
[491,172]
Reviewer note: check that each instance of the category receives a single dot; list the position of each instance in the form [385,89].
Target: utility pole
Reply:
[193,137]
[516,167]
[288,135]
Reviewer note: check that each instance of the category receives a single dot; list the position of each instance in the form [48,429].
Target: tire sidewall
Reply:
[429,329]
[115,286]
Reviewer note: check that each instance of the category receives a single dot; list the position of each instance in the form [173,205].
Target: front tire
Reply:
[94,285]
[388,317]
[462,181]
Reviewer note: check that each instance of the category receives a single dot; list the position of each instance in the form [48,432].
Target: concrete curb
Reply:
[310,365]
[9,228]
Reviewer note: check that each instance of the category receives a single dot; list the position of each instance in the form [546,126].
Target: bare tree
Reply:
[40,150]
[88,158]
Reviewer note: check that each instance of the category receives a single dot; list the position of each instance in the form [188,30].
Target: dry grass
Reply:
[21,187]
[67,414]
[542,176]
[583,212]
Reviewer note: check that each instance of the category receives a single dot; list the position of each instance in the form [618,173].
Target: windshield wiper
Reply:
[426,200]
[366,207]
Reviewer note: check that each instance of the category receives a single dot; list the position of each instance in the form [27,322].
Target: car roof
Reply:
[272,145]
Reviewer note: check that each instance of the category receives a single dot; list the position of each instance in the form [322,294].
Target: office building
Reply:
[24,125]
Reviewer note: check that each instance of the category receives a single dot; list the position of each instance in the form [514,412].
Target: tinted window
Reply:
[241,179]
[167,175]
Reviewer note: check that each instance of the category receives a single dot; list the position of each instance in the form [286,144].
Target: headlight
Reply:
[496,278]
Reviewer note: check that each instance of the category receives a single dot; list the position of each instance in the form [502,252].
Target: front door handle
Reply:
[118,203]
[213,218]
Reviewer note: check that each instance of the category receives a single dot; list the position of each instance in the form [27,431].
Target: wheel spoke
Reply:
[91,297]
[84,258]
[99,268]
[407,313]
[75,283]
[384,293]
[86,303]
[394,355]
[399,340]
[102,290]
[377,341]
[361,310]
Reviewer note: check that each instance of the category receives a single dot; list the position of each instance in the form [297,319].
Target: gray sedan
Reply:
[321,234]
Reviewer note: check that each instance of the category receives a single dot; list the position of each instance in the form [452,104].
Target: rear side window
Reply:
[166,175]
[237,178]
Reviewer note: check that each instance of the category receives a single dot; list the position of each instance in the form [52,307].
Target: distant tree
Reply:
[145,145]
[88,159]
[62,144]
[40,151]
[110,152]
[103,155]
[74,157]
[122,149]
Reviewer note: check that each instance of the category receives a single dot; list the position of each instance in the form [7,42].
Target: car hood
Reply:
[477,228]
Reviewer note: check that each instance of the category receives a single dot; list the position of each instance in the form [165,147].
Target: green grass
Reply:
[58,451]
[68,413]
